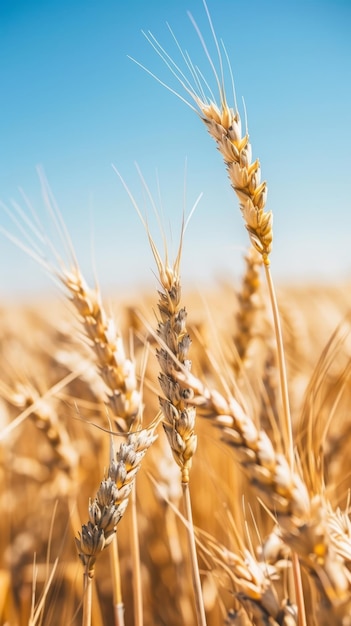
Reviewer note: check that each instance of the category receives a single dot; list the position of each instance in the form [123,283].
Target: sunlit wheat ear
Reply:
[224,125]
[253,582]
[111,500]
[115,368]
[307,523]
[178,411]
[179,414]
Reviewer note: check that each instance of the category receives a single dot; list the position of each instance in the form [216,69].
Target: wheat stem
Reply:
[112,497]
[179,414]
[300,600]
[287,431]
[118,605]
[199,603]
[249,306]
[88,595]
[137,585]
[287,425]
[119,614]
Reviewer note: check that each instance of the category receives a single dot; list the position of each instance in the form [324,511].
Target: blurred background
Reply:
[74,103]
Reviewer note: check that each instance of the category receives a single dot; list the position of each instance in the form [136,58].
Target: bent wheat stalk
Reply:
[307,522]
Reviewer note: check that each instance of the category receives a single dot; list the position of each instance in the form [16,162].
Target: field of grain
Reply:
[54,455]
[181,456]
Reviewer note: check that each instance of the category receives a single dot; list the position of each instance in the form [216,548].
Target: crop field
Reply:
[180,456]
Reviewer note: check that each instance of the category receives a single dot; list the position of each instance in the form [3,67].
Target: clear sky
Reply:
[73,102]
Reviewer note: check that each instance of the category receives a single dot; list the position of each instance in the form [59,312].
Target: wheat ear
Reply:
[116,370]
[109,505]
[124,401]
[178,411]
[252,581]
[307,523]
[224,125]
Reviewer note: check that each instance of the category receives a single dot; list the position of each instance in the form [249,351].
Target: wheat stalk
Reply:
[249,307]
[305,521]
[109,505]
[178,412]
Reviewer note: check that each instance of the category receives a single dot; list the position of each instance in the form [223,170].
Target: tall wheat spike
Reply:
[176,406]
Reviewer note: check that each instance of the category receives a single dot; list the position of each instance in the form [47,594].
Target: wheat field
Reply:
[54,460]
[176,457]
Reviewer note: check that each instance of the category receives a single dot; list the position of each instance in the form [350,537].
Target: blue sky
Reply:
[73,102]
